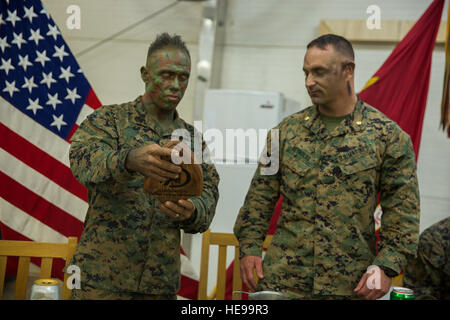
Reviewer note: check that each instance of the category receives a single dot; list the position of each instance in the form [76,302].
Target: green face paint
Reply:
[168,72]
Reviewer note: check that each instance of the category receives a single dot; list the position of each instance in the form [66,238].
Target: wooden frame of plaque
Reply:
[189,183]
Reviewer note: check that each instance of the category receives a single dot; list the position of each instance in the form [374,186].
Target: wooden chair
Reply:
[398,281]
[27,249]
[223,240]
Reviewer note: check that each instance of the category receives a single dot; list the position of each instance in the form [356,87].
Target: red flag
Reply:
[399,88]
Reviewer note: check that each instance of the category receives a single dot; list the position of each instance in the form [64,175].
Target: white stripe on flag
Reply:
[187,269]
[85,111]
[42,186]
[27,225]
[34,132]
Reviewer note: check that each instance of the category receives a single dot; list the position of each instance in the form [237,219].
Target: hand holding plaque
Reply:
[188,184]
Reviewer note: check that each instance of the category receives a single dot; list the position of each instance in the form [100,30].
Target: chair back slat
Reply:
[46,268]
[237,282]
[204,265]
[22,278]
[2,273]
[221,272]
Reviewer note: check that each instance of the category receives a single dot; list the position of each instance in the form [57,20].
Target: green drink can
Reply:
[400,293]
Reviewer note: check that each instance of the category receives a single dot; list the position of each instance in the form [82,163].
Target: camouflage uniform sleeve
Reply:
[205,205]
[424,273]
[400,203]
[95,156]
[253,220]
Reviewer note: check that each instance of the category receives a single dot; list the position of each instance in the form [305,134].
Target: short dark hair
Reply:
[339,43]
[164,40]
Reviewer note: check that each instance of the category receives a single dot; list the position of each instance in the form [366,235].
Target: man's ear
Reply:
[349,69]
[144,74]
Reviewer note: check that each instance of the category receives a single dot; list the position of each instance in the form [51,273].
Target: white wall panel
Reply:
[271,69]
[295,22]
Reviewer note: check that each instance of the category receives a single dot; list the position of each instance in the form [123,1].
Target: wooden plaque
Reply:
[189,183]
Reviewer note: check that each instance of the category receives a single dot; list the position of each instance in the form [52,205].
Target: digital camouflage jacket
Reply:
[128,244]
[325,238]
[428,275]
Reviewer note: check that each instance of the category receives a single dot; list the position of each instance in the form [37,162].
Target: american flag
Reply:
[44,97]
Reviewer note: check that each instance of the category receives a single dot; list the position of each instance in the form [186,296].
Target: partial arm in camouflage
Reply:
[254,217]
[400,203]
[423,274]
[94,153]
[205,205]
[426,273]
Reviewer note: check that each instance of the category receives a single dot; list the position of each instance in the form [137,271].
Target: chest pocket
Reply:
[358,164]
[293,170]
[360,176]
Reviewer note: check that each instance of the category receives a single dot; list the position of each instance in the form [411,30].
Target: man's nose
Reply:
[175,84]
[309,81]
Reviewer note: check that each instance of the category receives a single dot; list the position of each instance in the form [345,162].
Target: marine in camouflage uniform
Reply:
[429,274]
[329,180]
[129,247]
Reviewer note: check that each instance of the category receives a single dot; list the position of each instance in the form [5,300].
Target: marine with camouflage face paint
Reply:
[130,245]
[331,173]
